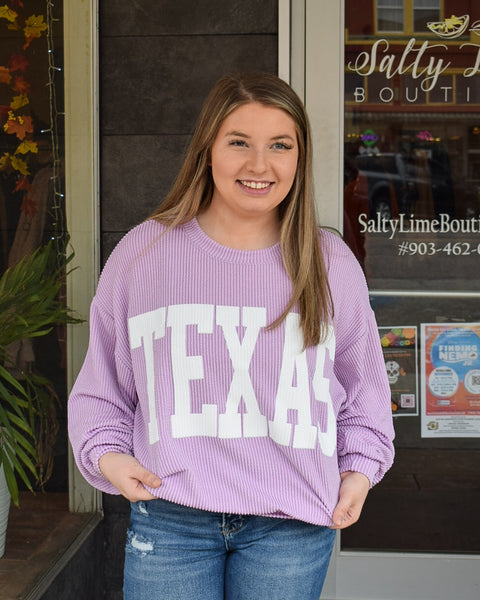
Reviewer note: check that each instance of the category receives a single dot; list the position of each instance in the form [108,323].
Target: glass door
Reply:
[393,89]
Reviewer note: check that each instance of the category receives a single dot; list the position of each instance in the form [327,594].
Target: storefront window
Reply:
[411,150]
[412,218]
[48,82]
[32,207]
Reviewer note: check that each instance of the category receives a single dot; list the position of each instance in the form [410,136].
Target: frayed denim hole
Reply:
[138,544]
[142,508]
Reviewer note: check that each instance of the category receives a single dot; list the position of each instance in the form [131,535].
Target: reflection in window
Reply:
[412,218]
[32,211]
[412,158]
[425,11]
[397,16]
[390,15]
[442,93]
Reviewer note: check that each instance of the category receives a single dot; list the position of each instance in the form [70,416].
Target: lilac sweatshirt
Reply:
[182,373]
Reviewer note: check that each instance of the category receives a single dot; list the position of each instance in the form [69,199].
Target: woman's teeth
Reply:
[255,185]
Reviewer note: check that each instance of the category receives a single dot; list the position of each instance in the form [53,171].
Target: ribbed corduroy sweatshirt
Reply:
[183,373]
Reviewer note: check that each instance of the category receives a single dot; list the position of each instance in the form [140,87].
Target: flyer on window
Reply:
[399,345]
[450,380]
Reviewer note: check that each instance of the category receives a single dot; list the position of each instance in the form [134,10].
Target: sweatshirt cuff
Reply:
[361,464]
[93,474]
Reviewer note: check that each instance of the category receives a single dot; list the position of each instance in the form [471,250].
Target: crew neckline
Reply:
[270,254]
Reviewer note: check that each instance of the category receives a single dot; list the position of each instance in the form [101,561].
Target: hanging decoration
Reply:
[19,119]
[34,256]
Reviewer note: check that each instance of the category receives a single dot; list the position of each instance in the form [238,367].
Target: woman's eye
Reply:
[240,143]
[282,146]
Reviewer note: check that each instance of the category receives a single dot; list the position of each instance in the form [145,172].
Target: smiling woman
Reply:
[254,162]
[212,323]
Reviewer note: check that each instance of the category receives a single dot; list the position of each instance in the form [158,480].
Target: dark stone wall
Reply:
[158,61]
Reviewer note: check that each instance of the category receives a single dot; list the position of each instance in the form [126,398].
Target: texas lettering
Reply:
[147,328]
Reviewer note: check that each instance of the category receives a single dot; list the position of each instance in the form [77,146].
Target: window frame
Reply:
[82,197]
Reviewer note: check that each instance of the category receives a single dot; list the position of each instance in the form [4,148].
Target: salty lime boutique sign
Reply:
[423,64]
[412,153]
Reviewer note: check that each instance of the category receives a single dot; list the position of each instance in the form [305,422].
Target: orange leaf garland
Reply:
[17,63]
[4,161]
[5,76]
[23,185]
[27,146]
[13,75]
[34,26]
[19,101]
[8,14]
[19,126]
[20,85]
[4,110]
[17,164]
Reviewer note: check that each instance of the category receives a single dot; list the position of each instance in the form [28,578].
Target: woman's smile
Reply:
[256,186]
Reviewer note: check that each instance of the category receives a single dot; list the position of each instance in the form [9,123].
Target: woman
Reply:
[234,388]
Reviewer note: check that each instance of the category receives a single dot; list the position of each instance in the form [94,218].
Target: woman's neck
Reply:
[241,234]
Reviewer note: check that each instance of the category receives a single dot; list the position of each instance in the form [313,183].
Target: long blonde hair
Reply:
[192,192]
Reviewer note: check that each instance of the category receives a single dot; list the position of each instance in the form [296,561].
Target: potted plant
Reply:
[30,306]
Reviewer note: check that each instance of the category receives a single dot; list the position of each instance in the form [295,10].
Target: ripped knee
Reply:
[138,544]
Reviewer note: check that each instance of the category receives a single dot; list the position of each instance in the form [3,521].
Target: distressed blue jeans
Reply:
[179,553]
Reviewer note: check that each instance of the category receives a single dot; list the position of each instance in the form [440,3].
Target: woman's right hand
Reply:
[128,476]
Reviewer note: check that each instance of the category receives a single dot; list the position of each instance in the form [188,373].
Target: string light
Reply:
[58,206]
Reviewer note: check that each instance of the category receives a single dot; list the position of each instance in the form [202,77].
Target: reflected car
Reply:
[393,183]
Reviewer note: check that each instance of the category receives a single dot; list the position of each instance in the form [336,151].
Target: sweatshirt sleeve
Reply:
[101,406]
[364,423]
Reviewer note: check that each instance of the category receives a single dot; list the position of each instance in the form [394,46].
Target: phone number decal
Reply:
[431,248]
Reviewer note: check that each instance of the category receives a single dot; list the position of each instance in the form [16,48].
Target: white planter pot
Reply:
[4,510]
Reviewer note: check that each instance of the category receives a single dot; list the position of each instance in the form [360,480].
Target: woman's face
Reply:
[254,161]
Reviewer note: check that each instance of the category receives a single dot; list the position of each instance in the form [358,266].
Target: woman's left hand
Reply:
[353,492]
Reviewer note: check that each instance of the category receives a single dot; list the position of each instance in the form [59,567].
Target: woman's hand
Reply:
[353,492]
[128,476]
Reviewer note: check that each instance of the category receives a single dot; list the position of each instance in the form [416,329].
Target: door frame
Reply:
[82,199]
[311,41]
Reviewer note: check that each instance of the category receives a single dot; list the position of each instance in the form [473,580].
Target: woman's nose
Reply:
[257,162]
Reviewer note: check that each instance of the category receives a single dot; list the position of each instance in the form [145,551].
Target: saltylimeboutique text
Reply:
[409,224]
